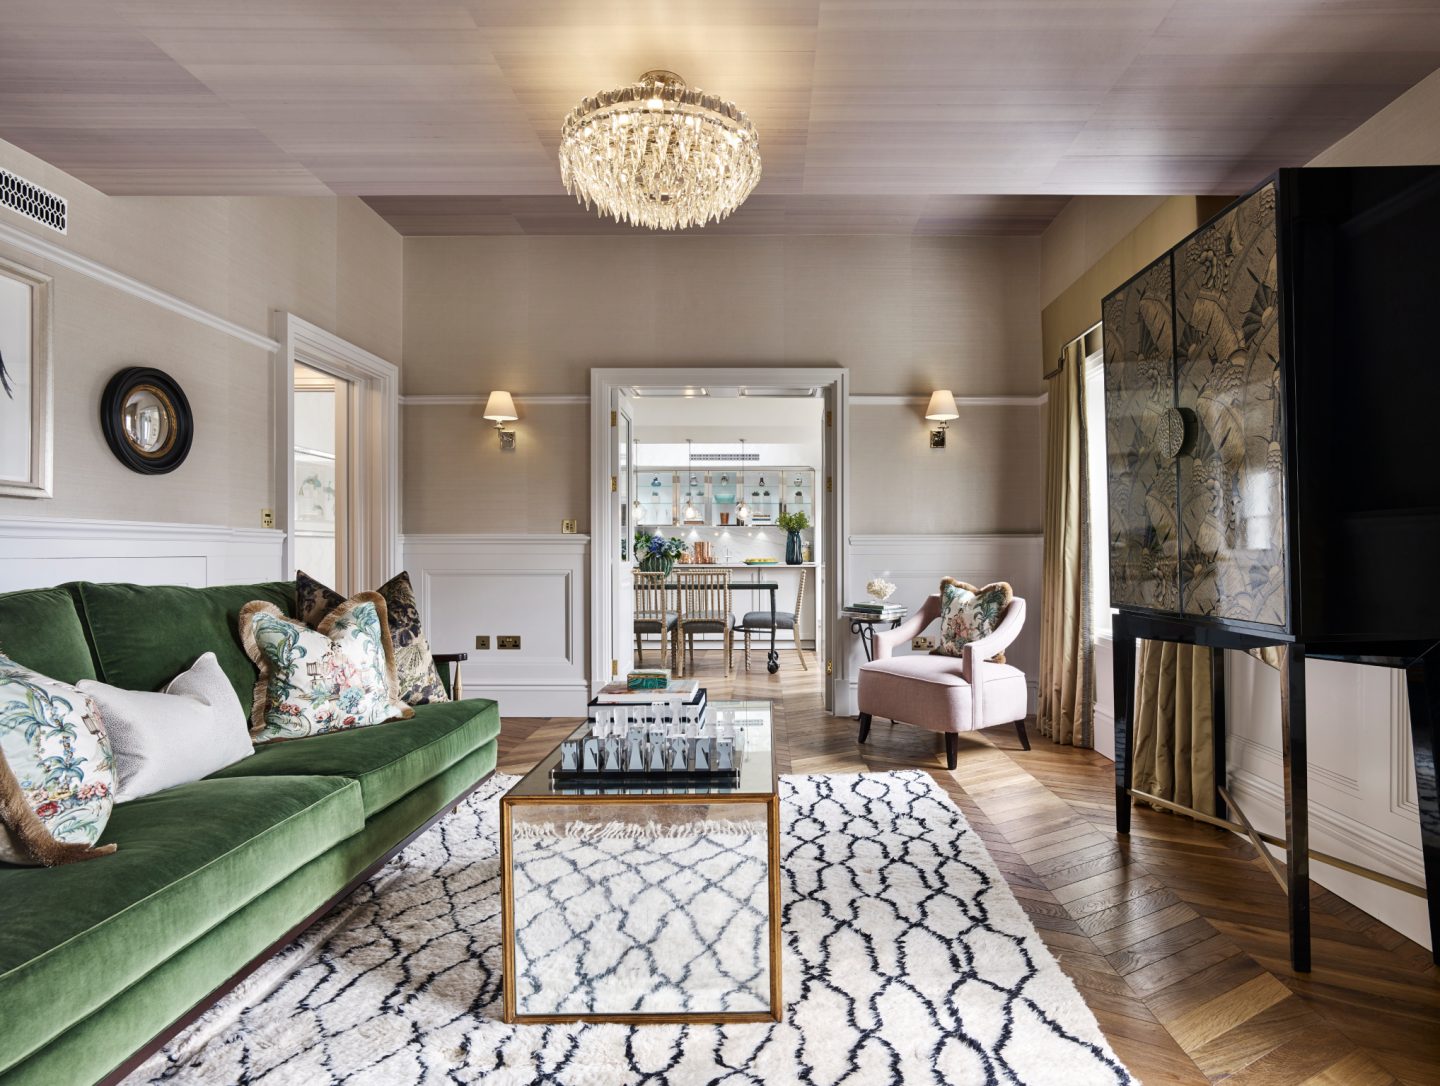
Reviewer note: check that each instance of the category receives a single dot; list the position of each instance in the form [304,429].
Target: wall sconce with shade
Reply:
[500,408]
[941,410]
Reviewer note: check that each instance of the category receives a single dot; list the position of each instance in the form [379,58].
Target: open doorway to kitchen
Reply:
[742,472]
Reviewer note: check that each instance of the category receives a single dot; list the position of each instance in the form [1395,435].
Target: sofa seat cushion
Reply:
[145,635]
[389,760]
[71,938]
[40,629]
[931,692]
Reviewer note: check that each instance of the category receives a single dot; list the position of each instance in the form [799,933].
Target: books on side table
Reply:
[874,610]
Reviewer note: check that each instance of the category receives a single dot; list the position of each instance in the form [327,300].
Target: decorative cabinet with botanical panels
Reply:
[1195,429]
[1270,388]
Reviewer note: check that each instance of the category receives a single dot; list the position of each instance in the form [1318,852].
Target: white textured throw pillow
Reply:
[192,728]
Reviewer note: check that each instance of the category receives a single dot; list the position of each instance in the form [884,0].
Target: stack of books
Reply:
[872,609]
[681,705]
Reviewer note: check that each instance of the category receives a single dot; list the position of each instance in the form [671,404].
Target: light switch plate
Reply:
[569,527]
[482,641]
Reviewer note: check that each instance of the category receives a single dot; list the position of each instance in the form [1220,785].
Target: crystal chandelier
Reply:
[659,154]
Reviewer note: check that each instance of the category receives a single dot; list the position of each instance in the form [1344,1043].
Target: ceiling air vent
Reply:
[30,200]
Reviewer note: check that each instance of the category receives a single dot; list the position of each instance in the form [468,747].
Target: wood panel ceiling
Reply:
[857,102]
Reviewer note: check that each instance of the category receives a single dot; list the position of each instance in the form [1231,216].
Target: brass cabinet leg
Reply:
[1297,815]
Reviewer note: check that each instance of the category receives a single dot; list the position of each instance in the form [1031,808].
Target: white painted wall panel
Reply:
[533,586]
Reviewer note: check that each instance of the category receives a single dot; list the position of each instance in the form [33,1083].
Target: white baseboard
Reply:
[37,552]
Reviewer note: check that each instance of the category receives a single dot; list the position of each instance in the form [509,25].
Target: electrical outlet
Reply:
[507,641]
[920,644]
[482,641]
[569,527]
[267,518]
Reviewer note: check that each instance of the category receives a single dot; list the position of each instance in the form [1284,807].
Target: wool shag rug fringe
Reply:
[907,960]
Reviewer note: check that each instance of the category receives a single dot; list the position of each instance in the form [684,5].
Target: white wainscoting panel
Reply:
[1362,776]
[916,563]
[1362,772]
[533,586]
[37,552]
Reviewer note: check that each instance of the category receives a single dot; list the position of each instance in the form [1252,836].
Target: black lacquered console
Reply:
[1271,472]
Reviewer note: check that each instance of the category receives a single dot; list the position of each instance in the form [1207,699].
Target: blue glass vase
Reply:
[794,550]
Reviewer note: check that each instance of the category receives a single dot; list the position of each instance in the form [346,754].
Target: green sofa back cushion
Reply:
[145,635]
[41,629]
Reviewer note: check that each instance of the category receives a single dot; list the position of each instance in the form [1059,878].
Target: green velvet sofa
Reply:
[102,961]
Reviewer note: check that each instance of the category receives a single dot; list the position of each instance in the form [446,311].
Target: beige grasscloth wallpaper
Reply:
[331,261]
[905,315]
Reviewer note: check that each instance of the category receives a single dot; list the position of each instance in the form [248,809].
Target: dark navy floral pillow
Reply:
[419,680]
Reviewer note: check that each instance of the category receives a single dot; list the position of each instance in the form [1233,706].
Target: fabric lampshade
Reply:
[500,407]
[942,406]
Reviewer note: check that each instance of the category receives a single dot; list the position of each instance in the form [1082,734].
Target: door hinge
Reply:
[614,485]
[614,418]
[829,484]
[829,419]
[829,667]
[614,667]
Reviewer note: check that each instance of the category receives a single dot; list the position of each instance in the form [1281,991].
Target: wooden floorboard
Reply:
[1175,937]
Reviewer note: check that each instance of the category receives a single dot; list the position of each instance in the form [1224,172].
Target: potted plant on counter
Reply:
[655,553]
[793,524]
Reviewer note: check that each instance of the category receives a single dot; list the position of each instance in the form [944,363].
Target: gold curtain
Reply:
[1175,724]
[1067,657]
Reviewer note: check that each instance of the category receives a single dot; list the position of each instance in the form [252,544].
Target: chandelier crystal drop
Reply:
[659,154]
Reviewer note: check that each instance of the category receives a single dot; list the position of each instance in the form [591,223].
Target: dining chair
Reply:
[759,622]
[652,613]
[704,607]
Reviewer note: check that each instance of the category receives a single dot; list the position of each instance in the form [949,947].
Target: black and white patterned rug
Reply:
[907,960]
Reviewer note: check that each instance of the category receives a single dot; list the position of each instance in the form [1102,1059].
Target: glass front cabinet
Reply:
[719,497]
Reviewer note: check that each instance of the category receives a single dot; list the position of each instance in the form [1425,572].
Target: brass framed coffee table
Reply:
[647,902]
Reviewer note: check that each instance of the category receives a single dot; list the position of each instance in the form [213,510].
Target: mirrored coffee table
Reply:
[645,902]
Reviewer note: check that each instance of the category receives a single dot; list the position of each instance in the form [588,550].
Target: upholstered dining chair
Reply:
[759,622]
[704,607]
[653,614]
[946,694]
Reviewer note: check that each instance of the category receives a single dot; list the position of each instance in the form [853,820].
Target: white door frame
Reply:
[374,445]
[603,556]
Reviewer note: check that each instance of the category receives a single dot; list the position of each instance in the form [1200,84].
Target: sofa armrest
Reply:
[976,656]
[887,641]
[447,663]
[997,641]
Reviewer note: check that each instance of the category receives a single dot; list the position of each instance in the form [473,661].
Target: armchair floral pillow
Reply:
[968,613]
[57,772]
[341,675]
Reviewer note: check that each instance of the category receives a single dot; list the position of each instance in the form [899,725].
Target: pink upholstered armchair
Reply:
[946,694]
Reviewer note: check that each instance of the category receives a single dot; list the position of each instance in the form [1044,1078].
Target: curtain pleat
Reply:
[1067,659]
[1175,724]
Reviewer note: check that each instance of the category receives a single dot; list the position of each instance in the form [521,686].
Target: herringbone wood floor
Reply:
[1175,937]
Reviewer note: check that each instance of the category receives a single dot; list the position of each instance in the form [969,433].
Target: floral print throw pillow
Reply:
[339,676]
[968,613]
[57,772]
[414,669]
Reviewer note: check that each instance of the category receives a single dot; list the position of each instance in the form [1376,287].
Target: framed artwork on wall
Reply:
[26,408]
